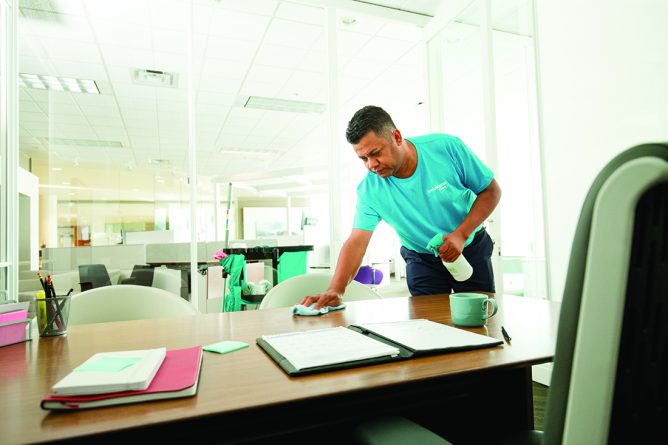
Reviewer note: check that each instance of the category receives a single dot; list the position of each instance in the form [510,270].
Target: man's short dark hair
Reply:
[369,118]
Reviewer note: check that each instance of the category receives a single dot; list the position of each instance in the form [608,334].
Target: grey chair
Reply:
[611,361]
[92,276]
[142,275]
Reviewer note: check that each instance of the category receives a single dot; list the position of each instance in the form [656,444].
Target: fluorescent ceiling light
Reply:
[69,84]
[154,78]
[159,161]
[249,151]
[83,143]
[275,104]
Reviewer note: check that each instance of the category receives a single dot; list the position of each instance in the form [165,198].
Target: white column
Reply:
[335,239]
[489,109]
[48,211]
[192,175]
[287,214]
[216,211]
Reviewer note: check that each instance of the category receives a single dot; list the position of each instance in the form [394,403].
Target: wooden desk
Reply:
[245,396]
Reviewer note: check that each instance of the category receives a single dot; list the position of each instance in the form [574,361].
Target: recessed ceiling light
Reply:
[348,21]
[154,78]
[56,169]
[46,82]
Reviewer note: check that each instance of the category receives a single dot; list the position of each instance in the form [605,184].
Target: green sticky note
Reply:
[225,346]
[108,364]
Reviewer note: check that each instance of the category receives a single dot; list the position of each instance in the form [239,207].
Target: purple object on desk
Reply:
[368,275]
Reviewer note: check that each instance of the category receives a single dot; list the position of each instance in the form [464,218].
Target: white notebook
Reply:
[108,372]
[321,347]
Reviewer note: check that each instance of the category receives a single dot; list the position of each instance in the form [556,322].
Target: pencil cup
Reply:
[52,314]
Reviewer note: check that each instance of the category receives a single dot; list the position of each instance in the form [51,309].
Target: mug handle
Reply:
[494,307]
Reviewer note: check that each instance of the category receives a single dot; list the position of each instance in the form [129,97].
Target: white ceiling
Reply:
[267,48]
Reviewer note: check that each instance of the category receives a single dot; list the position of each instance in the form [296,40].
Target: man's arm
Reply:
[347,265]
[483,206]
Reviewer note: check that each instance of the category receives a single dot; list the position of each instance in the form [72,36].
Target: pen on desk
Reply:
[505,334]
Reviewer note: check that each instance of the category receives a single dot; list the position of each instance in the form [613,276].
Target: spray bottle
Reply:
[460,269]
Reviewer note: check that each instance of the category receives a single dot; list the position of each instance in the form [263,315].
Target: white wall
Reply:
[604,86]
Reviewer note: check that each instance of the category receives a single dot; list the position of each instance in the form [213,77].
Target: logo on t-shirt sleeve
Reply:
[439,187]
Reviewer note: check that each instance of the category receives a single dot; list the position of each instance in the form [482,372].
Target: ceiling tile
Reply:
[294,34]
[70,27]
[130,57]
[29,106]
[313,15]
[99,112]
[267,74]
[130,11]
[72,50]
[32,116]
[232,24]
[262,7]
[79,70]
[383,49]
[34,65]
[230,49]
[98,100]
[173,63]
[123,89]
[133,36]
[215,84]
[170,41]
[170,14]
[280,56]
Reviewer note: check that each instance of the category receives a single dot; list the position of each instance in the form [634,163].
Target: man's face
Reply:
[381,155]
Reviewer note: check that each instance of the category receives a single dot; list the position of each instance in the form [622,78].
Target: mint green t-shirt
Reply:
[436,198]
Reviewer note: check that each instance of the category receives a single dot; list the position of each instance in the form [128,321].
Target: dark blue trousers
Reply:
[426,275]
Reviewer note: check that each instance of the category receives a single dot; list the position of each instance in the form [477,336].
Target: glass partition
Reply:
[472,61]
[522,231]
[107,121]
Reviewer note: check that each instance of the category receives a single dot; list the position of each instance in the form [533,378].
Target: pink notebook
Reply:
[13,333]
[178,376]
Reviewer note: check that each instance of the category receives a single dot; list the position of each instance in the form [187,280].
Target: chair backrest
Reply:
[369,275]
[610,361]
[293,290]
[142,275]
[92,276]
[126,302]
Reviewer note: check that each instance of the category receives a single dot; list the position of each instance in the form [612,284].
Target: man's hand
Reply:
[327,298]
[452,247]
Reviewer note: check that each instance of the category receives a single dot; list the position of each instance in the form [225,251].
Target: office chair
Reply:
[126,302]
[142,275]
[293,290]
[369,275]
[608,380]
[92,276]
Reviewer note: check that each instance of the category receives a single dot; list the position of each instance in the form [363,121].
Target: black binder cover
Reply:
[404,353]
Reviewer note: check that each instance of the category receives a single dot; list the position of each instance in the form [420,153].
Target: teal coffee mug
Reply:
[471,309]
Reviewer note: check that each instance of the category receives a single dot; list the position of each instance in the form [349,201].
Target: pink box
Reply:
[16,332]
